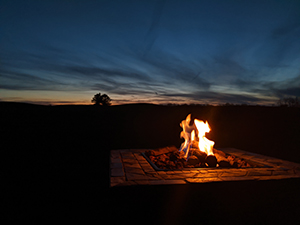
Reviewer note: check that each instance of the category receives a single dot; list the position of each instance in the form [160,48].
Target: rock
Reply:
[235,165]
[149,153]
[224,164]
[164,150]
[174,156]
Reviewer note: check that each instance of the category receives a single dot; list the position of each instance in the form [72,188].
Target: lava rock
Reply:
[174,156]
[235,165]
[224,164]
[211,161]
[149,153]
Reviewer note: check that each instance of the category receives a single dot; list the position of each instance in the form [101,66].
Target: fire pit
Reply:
[196,152]
[196,161]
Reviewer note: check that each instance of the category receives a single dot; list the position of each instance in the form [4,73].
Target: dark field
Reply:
[56,161]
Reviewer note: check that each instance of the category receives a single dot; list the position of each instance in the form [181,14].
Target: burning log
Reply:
[219,153]
[193,160]
[211,161]
[222,159]
[200,155]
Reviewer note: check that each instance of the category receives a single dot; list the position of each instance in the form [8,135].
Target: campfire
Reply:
[197,151]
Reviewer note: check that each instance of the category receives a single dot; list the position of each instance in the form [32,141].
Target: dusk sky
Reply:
[168,51]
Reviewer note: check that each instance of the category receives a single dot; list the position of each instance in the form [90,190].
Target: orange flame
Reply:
[186,134]
[205,145]
[189,135]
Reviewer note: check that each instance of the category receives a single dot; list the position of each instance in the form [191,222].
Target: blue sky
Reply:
[64,52]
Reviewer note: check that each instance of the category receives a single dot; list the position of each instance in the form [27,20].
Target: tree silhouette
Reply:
[289,102]
[99,99]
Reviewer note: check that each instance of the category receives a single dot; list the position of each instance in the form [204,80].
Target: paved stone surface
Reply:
[203,180]
[129,167]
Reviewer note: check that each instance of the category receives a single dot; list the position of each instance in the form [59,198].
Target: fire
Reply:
[186,134]
[191,141]
[205,145]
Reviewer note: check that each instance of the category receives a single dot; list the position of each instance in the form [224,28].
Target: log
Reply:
[200,155]
[221,157]
[211,161]
[221,153]
[193,160]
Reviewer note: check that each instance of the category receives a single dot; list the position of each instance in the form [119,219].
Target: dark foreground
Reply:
[56,165]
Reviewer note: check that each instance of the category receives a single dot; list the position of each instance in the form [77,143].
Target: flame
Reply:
[189,134]
[193,135]
[205,145]
[186,134]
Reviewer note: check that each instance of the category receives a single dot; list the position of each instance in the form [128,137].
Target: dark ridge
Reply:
[19,105]
[136,105]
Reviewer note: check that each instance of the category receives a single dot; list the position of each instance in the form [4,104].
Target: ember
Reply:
[195,152]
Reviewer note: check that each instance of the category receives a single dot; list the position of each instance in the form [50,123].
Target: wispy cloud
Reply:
[14,80]
[215,97]
[287,88]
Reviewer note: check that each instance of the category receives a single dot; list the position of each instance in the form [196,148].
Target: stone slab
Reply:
[117,172]
[164,182]
[203,180]
[116,165]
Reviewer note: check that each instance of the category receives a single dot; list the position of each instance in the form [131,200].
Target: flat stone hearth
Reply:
[129,167]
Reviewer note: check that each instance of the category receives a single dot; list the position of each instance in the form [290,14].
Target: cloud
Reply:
[275,89]
[125,88]
[228,67]
[13,80]
[98,72]
[246,84]
[294,91]
[215,97]
[172,70]
[287,88]
[158,75]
